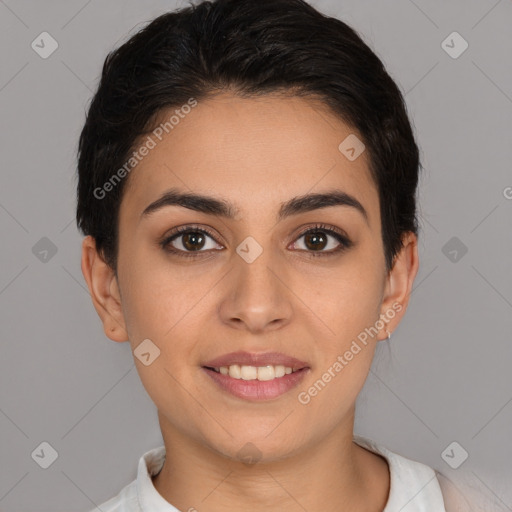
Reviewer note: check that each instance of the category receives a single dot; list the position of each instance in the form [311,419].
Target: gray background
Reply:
[446,375]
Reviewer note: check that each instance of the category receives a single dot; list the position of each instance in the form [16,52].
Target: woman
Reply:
[247,184]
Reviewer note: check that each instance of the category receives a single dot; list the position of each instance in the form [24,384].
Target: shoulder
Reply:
[125,501]
[468,494]
[454,500]
[141,490]
[413,485]
[416,487]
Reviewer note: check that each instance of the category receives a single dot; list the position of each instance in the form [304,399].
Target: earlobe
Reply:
[104,291]
[399,283]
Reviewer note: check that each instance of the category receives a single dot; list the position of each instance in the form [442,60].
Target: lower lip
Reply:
[257,390]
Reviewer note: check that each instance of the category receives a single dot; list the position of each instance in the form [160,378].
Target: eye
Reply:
[187,240]
[191,241]
[316,241]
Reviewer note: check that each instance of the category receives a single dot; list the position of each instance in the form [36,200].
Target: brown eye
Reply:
[186,240]
[315,240]
[193,240]
[323,241]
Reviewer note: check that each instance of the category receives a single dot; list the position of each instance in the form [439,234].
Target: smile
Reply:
[255,388]
[255,376]
[261,373]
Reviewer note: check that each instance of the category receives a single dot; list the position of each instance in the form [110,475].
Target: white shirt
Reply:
[413,487]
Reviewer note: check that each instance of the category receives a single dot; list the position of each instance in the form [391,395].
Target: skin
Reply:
[255,153]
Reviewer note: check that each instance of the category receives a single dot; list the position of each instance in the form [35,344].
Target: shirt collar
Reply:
[405,475]
[150,500]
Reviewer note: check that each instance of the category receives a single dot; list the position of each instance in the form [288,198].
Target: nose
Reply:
[257,297]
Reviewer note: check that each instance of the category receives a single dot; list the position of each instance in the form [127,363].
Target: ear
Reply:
[104,291]
[399,283]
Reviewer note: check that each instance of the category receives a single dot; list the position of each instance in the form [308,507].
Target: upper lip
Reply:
[253,359]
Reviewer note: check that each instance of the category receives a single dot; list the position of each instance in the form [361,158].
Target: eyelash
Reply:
[344,242]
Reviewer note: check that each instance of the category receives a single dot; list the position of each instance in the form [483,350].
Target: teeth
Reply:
[234,371]
[249,372]
[262,373]
[265,372]
[280,371]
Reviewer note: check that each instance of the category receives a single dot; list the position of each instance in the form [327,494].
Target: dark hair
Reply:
[250,48]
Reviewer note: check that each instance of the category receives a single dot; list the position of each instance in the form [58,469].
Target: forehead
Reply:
[254,152]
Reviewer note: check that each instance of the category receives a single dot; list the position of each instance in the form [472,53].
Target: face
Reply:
[258,275]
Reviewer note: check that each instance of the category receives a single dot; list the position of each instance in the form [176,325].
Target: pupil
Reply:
[190,239]
[315,238]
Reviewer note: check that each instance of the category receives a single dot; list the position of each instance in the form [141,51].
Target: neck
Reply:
[332,474]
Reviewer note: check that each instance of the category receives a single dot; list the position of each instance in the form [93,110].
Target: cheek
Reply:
[348,299]
[350,305]
[162,302]
[154,309]
[147,297]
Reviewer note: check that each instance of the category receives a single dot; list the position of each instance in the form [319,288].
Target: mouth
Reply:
[256,377]
[261,373]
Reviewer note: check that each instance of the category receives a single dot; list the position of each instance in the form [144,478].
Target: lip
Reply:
[254,359]
[255,390]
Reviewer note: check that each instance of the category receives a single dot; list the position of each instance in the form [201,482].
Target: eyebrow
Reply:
[222,208]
